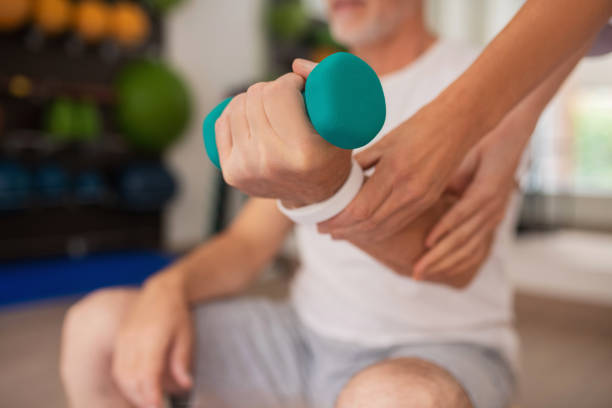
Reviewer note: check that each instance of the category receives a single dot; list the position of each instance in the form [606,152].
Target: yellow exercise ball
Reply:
[52,16]
[91,19]
[14,14]
[129,24]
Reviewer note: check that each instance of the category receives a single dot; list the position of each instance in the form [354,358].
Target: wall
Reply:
[216,45]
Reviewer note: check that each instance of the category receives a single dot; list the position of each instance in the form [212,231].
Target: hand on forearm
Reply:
[400,251]
[485,182]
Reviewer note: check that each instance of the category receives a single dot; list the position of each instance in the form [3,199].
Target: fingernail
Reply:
[305,64]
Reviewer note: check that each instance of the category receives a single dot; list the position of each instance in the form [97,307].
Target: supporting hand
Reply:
[153,348]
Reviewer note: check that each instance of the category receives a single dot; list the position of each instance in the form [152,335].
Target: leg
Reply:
[403,382]
[90,327]
[249,353]
[438,374]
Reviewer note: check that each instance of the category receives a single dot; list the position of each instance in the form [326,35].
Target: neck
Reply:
[397,49]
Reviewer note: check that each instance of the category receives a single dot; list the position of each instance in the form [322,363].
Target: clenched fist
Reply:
[268,147]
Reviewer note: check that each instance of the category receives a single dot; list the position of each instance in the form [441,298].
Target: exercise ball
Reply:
[146,186]
[91,19]
[86,121]
[14,14]
[51,182]
[152,105]
[163,5]
[15,185]
[129,24]
[52,16]
[90,187]
[59,120]
[288,20]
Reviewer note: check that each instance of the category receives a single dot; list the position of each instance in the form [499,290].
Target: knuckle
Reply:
[360,212]
[255,88]
[488,192]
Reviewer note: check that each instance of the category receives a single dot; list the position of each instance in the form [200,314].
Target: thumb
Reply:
[464,175]
[303,67]
[180,358]
[370,156]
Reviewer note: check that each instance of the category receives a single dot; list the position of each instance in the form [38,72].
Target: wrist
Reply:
[468,111]
[170,281]
[324,183]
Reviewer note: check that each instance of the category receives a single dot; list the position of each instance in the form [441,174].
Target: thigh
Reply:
[482,372]
[249,352]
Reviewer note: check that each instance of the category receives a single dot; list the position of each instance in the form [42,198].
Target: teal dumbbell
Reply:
[344,101]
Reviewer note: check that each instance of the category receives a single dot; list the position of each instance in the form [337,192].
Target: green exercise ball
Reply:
[87,122]
[288,20]
[60,120]
[163,5]
[152,105]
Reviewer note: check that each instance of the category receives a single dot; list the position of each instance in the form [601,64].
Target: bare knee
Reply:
[405,383]
[89,329]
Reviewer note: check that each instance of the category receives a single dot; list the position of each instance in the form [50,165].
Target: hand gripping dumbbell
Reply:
[344,102]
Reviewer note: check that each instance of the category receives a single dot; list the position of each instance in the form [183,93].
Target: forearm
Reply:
[230,261]
[543,35]
[400,250]
[516,128]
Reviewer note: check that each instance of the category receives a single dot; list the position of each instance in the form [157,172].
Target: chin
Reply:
[354,34]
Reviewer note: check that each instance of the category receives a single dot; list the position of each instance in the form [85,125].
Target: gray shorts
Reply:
[256,353]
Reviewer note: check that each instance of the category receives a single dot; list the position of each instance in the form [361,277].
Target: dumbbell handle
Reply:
[344,101]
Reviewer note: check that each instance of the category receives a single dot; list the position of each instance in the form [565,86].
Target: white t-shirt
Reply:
[343,293]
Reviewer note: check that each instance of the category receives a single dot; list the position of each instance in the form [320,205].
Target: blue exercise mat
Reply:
[42,279]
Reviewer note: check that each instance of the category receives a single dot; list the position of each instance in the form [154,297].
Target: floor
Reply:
[567,354]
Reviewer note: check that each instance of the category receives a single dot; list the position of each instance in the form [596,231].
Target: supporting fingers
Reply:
[466,207]
[449,244]
[369,157]
[449,262]
[373,193]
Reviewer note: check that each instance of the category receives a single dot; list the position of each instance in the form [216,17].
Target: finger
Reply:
[255,112]
[370,230]
[449,243]
[239,125]
[180,359]
[151,357]
[464,174]
[467,264]
[469,204]
[391,216]
[223,137]
[303,67]
[370,156]
[463,272]
[284,105]
[454,257]
[373,193]
[291,81]
[124,374]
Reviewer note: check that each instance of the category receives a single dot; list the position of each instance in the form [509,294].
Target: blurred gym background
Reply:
[104,179]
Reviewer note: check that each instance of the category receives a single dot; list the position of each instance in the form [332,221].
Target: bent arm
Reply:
[399,251]
[231,260]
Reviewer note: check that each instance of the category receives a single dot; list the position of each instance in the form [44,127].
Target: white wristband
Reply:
[324,210]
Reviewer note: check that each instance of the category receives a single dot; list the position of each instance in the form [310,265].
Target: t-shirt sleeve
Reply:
[603,42]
